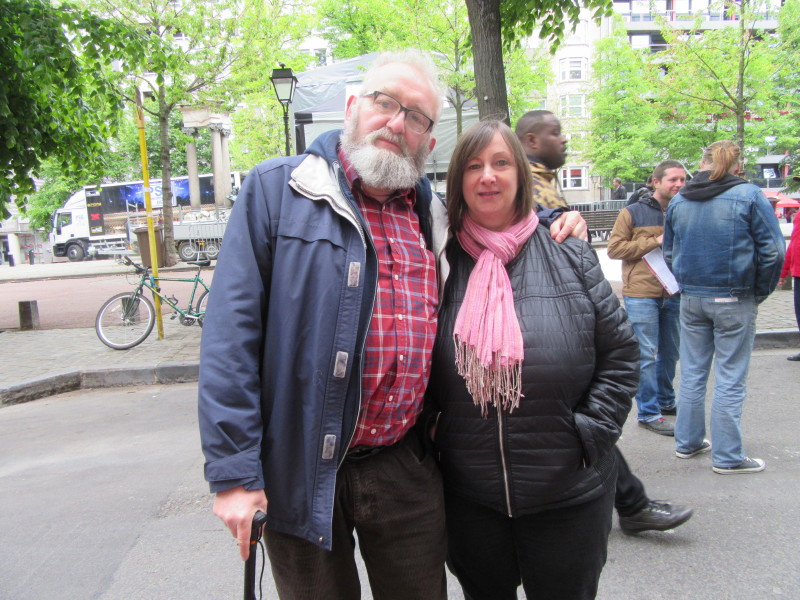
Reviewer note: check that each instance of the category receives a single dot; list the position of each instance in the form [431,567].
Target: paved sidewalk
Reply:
[52,361]
[45,362]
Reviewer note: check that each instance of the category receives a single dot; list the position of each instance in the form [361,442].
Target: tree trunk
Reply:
[487,53]
[741,105]
[166,177]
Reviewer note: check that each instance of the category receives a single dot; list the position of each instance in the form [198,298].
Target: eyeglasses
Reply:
[384,104]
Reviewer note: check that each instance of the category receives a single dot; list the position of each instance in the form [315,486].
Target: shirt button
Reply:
[396,277]
[400,317]
[391,398]
[373,431]
[391,240]
[400,357]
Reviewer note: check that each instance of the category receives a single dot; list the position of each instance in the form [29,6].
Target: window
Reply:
[573,105]
[573,178]
[572,69]
[63,219]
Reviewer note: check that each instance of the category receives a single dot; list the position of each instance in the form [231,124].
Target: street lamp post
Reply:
[595,182]
[284,82]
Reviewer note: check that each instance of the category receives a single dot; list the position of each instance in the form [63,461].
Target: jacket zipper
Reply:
[503,459]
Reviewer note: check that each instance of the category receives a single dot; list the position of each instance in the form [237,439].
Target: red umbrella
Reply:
[788,202]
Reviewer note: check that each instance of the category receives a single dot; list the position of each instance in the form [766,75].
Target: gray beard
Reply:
[380,168]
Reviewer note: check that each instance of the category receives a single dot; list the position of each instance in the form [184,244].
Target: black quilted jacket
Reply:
[580,371]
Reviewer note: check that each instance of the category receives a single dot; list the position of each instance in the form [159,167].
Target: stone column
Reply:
[217,164]
[14,249]
[191,167]
[226,167]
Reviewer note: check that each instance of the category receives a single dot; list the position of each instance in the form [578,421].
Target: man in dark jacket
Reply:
[619,190]
[316,350]
[540,134]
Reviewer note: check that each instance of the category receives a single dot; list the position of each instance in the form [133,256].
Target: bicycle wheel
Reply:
[125,320]
[201,307]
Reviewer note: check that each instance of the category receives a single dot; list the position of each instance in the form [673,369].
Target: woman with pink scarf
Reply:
[533,371]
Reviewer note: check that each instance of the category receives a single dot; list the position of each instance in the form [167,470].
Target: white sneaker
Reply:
[748,465]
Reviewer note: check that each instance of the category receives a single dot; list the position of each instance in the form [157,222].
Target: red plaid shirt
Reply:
[397,354]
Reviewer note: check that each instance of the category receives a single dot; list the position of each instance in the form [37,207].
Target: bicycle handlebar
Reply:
[139,268]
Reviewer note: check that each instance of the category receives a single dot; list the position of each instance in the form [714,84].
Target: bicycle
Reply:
[126,319]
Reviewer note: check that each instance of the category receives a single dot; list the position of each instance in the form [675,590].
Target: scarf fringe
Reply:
[495,384]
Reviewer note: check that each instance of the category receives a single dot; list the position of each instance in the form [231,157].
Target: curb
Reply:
[777,338]
[68,381]
[186,372]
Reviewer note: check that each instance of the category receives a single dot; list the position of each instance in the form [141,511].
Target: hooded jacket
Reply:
[722,239]
[635,234]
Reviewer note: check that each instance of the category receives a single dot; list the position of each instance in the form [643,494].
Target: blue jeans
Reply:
[656,325]
[727,329]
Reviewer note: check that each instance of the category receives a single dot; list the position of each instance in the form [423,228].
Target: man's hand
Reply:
[660,239]
[236,507]
[570,223]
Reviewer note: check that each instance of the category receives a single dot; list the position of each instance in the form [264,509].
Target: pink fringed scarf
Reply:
[487,336]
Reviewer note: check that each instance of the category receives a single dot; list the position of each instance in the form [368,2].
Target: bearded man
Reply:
[316,350]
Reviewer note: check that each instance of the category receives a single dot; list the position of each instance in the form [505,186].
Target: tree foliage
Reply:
[715,79]
[501,24]
[731,82]
[548,19]
[191,47]
[271,33]
[441,28]
[624,119]
[57,99]
[788,87]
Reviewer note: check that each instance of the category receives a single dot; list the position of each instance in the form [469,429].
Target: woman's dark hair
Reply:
[472,143]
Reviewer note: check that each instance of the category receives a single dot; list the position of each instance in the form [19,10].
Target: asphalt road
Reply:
[102,497]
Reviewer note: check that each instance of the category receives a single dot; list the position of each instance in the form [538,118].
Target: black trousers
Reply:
[630,497]
[556,554]
[393,501]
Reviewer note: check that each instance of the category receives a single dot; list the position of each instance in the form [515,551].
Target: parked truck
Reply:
[99,220]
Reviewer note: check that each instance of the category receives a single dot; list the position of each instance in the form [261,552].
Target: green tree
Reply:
[440,28]
[499,24]
[57,100]
[787,138]
[624,119]
[58,187]
[271,33]
[191,47]
[716,81]
[368,26]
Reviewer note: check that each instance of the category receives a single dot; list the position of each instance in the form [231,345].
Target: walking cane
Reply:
[259,520]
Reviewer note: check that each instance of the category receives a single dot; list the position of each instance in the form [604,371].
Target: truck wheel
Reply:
[211,249]
[187,251]
[75,253]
